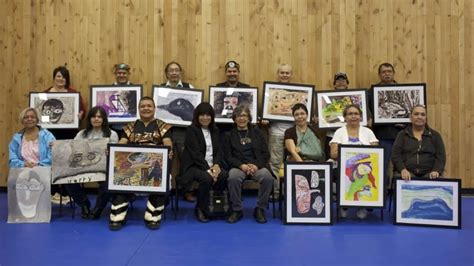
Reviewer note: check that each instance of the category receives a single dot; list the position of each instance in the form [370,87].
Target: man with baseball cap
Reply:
[232,72]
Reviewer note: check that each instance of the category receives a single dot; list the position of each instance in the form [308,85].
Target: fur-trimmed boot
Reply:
[118,216]
[153,216]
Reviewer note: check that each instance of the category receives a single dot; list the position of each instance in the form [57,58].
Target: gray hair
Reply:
[26,110]
[241,109]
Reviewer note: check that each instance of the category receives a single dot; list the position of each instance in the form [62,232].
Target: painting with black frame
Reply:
[279,98]
[393,103]
[138,168]
[428,202]
[58,110]
[331,104]
[119,102]
[225,99]
[361,176]
[176,106]
[308,193]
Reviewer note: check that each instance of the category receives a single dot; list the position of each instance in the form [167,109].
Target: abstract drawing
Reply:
[176,106]
[308,186]
[57,110]
[119,102]
[79,161]
[361,176]
[29,195]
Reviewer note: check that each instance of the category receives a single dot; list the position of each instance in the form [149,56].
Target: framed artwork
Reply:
[57,110]
[119,102]
[279,98]
[361,176]
[428,202]
[331,105]
[393,103]
[176,106]
[135,168]
[308,193]
[29,195]
[224,100]
[78,160]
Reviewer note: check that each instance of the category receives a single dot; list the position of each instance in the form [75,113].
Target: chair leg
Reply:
[392,184]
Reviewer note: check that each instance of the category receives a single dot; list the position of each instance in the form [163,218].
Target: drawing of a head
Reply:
[230,103]
[52,108]
[82,156]
[28,192]
[364,169]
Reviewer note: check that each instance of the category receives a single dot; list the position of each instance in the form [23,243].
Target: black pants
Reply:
[80,197]
[206,183]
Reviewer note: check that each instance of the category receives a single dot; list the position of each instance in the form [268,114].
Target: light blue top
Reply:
[44,138]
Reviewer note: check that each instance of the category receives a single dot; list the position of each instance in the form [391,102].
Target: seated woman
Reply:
[418,150]
[30,146]
[97,126]
[202,158]
[355,134]
[301,140]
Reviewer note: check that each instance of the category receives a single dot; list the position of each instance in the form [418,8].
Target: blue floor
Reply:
[66,241]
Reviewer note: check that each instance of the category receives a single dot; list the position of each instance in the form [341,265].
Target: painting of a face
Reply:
[28,192]
[230,103]
[53,109]
[83,156]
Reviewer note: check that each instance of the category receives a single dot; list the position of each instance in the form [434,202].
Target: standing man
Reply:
[122,72]
[145,131]
[173,72]
[232,72]
[385,133]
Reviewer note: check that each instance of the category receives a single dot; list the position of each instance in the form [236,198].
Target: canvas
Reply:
[331,105]
[119,102]
[279,98]
[79,161]
[225,100]
[29,195]
[176,106]
[429,202]
[393,103]
[134,168]
[308,192]
[57,110]
[361,176]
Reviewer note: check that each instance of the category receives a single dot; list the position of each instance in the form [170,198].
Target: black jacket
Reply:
[195,149]
[239,85]
[234,154]
[419,157]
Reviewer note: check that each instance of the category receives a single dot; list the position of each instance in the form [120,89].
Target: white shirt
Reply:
[178,85]
[279,128]
[366,136]
[207,137]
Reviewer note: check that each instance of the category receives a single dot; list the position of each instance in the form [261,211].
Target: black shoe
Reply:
[152,225]
[201,216]
[95,213]
[85,209]
[115,226]
[188,196]
[234,217]
[259,215]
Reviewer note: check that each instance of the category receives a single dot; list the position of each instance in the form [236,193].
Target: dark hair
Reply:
[105,122]
[241,109]
[146,98]
[297,107]
[386,65]
[344,113]
[63,70]
[204,108]
[168,66]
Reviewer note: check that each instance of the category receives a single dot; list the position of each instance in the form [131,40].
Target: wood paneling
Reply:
[428,41]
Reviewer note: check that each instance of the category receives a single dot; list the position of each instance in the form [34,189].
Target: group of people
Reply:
[219,157]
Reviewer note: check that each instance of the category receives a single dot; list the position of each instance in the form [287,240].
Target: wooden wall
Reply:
[427,41]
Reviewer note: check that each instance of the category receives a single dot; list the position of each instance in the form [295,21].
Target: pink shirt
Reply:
[30,151]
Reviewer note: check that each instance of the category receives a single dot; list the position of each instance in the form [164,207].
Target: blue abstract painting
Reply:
[427,202]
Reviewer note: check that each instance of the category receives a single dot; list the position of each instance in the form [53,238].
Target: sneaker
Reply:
[56,198]
[362,213]
[343,212]
[259,215]
[234,217]
[66,200]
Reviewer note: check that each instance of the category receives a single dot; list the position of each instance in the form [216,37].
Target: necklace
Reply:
[244,140]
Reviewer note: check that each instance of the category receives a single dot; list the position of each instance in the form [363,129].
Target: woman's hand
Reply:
[30,164]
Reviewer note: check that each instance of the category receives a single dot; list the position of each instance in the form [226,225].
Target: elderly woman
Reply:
[418,150]
[202,158]
[355,134]
[246,152]
[301,140]
[30,146]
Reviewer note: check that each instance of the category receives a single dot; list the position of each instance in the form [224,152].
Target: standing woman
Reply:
[30,146]
[301,140]
[355,134]
[97,127]
[202,158]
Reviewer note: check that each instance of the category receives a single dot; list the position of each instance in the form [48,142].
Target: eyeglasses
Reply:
[243,116]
